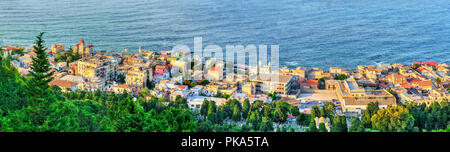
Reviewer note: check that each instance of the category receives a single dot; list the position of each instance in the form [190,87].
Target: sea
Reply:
[309,33]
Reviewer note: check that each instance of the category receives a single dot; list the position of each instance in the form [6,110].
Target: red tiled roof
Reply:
[312,82]
[407,85]
[82,41]
[89,46]
[431,63]
[182,86]
[301,80]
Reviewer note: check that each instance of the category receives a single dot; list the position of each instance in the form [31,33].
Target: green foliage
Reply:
[303,119]
[245,108]
[371,110]
[322,127]
[393,119]
[341,77]
[40,76]
[121,78]
[321,84]
[266,124]
[312,126]
[67,56]
[204,82]
[356,126]
[236,113]
[339,124]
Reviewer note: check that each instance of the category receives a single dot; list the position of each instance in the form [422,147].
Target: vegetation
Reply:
[30,104]
[68,56]
[341,77]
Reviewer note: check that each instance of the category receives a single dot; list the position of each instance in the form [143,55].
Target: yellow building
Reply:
[355,99]
[137,77]
[281,84]
[56,48]
[248,89]
[82,50]
[98,66]
[315,73]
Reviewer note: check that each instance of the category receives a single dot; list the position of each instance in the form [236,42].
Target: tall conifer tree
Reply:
[40,75]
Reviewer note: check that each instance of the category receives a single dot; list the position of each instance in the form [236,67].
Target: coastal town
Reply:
[351,90]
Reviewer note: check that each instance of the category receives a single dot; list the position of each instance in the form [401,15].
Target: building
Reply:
[281,84]
[65,85]
[354,98]
[215,73]
[98,66]
[83,49]
[315,73]
[137,77]
[121,88]
[57,48]
[395,78]
[249,89]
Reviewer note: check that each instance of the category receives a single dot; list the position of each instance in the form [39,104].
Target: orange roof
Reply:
[63,83]
[425,83]
[82,41]
[398,75]
[407,85]
[312,82]
[89,46]
[301,80]
[418,63]
[160,67]
[125,86]
[420,69]
[371,69]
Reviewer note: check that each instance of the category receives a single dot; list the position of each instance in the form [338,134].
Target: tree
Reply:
[236,113]
[394,118]
[204,108]
[315,112]
[121,78]
[40,75]
[322,127]
[356,126]
[303,119]
[321,84]
[371,109]
[312,126]
[338,125]
[266,124]
[341,77]
[245,108]
[254,119]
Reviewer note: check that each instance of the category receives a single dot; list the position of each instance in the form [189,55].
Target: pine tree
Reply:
[245,108]
[312,126]
[40,75]
[236,113]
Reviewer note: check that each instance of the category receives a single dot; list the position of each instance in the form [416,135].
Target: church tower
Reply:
[140,51]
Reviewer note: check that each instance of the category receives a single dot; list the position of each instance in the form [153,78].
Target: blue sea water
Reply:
[310,33]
